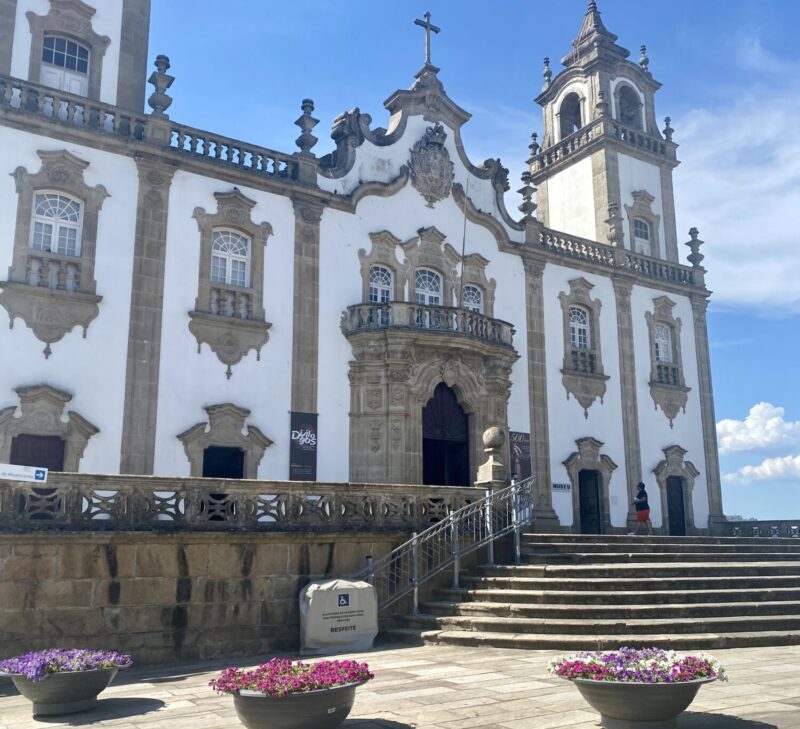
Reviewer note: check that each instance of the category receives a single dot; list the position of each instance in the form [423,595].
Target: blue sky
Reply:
[731,76]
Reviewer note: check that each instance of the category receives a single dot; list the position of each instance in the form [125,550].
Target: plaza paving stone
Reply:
[437,687]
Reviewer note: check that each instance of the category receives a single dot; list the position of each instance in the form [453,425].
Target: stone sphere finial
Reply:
[547,73]
[644,61]
[159,100]
[494,438]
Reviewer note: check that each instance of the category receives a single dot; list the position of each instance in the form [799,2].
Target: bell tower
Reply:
[604,170]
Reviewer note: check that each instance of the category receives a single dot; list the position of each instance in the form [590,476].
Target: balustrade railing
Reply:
[667,374]
[658,269]
[785,528]
[54,272]
[78,501]
[572,247]
[583,361]
[443,545]
[438,319]
[230,301]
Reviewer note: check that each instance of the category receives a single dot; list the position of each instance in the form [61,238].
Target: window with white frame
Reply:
[579,336]
[65,65]
[473,299]
[380,285]
[642,236]
[56,224]
[663,344]
[230,258]
[428,287]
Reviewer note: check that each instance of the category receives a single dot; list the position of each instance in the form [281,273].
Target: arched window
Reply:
[663,344]
[473,299]
[428,287]
[570,115]
[380,285]
[642,237]
[629,108]
[230,258]
[579,336]
[56,224]
[65,65]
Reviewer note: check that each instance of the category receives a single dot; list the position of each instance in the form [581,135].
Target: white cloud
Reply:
[770,469]
[740,185]
[763,428]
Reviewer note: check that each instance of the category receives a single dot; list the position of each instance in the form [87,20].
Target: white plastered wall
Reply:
[570,200]
[655,433]
[634,174]
[190,381]
[106,21]
[98,391]
[566,420]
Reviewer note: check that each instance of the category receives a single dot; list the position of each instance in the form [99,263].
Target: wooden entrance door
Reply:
[676,507]
[445,440]
[589,500]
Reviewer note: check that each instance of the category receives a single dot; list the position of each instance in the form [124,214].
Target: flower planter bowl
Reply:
[627,705]
[323,709]
[66,692]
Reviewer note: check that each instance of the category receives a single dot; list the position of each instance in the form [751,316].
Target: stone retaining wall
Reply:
[164,597]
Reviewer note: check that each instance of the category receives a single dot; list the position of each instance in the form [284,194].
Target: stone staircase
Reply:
[600,592]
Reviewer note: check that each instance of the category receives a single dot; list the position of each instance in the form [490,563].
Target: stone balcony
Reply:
[427,320]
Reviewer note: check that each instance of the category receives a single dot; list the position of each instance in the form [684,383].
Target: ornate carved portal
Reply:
[393,376]
[674,466]
[588,458]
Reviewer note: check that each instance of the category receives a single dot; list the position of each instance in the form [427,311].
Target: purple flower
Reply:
[38,665]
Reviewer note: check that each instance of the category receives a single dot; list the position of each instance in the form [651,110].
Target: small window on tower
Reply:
[570,115]
[65,65]
[642,237]
[579,337]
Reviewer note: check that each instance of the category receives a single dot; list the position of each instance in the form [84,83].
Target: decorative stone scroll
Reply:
[53,292]
[224,428]
[42,413]
[430,165]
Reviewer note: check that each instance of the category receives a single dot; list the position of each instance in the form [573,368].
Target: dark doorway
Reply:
[219,462]
[676,508]
[42,451]
[589,499]
[445,440]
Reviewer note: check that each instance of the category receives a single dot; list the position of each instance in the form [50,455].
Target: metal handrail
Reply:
[404,569]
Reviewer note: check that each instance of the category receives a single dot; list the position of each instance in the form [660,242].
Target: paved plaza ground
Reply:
[434,687]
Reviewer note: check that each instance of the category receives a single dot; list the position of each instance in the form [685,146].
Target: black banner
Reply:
[520,446]
[303,448]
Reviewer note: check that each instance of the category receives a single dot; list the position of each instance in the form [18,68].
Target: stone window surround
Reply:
[42,413]
[51,313]
[588,458]
[585,387]
[670,398]
[231,337]
[382,253]
[474,274]
[426,252]
[226,422]
[642,208]
[675,465]
[71,19]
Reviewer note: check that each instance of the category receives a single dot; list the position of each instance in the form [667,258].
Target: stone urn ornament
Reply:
[633,688]
[282,694]
[63,680]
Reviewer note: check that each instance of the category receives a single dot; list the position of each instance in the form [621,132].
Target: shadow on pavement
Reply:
[365,722]
[105,710]
[698,720]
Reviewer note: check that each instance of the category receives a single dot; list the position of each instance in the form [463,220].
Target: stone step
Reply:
[624,538]
[543,557]
[530,641]
[636,570]
[620,596]
[542,626]
[727,582]
[643,546]
[616,612]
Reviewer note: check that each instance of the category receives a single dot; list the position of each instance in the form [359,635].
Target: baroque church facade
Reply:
[181,303]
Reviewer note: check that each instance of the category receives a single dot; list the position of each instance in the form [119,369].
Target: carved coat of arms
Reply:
[430,166]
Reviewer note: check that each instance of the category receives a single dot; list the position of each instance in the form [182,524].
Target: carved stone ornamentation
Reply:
[42,413]
[589,458]
[667,384]
[225,426]
[675,465]
[54,292]
[430,166]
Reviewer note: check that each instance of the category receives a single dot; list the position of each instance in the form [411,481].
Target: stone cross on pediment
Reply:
[428,28]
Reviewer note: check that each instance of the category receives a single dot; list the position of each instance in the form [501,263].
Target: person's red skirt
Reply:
[643,515]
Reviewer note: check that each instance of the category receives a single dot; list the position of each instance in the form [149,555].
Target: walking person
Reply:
[642,510]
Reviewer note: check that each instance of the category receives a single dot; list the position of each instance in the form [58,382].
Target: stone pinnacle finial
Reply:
[616,236]
[695,257]
[528,207]
[534,145]
[159,101]
[668,130]
[644,61]
[493,470]
[547,73]
[602,104]
[306,122]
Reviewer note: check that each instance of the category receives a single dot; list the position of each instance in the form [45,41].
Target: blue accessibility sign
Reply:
[344,599]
